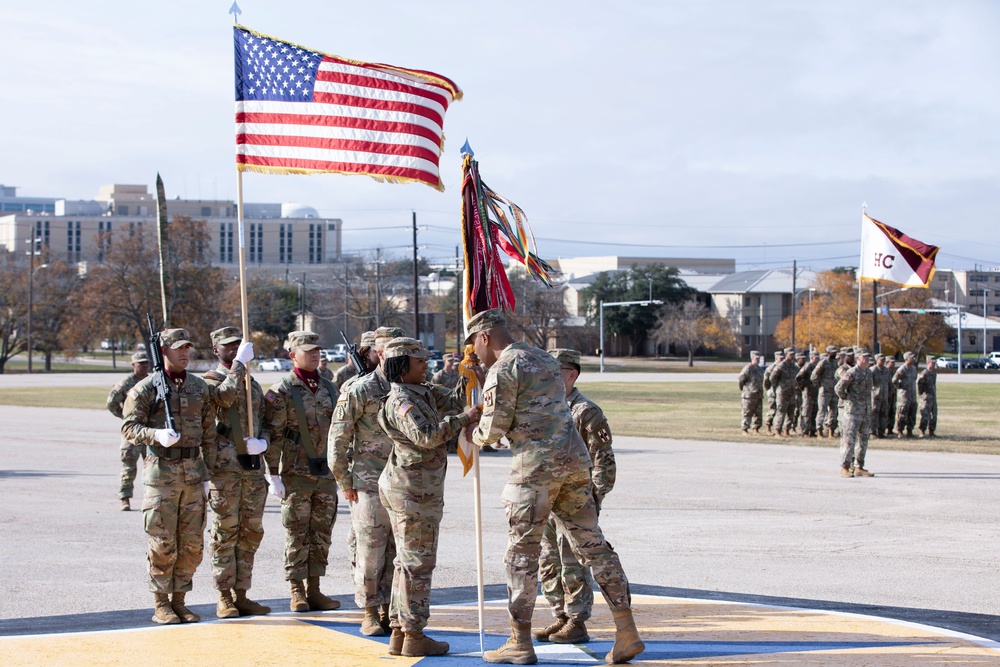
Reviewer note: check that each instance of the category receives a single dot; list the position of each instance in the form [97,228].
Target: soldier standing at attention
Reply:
[751,382]
[367,353]
[357,450]
[809,395]
[855,390]
[174,472]
[566,584]
[801,359]
[524,399]
[905,381]
[448,375]
[846,362]
[771,390]
[881,378]
[783,381]
[130,453]
[297,414]
[420,419]
[823,378]
[324,368]
[237,490]
[927,392]
[890,365]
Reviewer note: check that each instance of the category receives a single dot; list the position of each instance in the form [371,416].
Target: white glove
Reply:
[244,353]
[167,437]
[255,445]
[276,487]
[207,488]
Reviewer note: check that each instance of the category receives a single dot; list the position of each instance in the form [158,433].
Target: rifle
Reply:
[160,381]
[352,355]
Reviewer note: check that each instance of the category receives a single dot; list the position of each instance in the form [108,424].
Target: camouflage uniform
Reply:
[130,453]
[446,378]
[419,419]
[808,397]
[823,378]
[358,449]
[325,373]
[905,381]
[567,585]
[524,399]
[846,363]
[890,365]
[343,374]
[927,393]
[881,417]
[309,508]
[783,381]
[751,383]
[174,504]
[237,495]
[771,390]
[855,390]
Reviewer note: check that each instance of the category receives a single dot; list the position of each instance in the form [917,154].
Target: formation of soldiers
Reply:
[823,397]
[380,436]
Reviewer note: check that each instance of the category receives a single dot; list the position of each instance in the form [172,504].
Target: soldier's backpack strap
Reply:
[330,388]
[317,466]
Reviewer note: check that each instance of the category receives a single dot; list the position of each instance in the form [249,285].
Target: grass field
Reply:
[967,416]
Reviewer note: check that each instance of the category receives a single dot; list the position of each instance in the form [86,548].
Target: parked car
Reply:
[435,362]
[945,362]
[993,360]
[336,353]
[973,363]
[275,365]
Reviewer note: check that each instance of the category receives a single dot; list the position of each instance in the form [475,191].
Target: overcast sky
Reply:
[692,128]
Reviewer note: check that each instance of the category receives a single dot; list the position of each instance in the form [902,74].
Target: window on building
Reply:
[73,241]
[226,242]
[285,243]
[256,241]
[746,320]
[206,210]
[315,244]
[103,238]
[746,302]
[41,234]
[996,308]
[972,339]
[746,340]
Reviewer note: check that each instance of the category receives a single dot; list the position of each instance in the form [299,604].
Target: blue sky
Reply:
[672,128]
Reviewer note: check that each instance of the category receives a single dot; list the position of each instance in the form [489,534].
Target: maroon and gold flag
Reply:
[889,255]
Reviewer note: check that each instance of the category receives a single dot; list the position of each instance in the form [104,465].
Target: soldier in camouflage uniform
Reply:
[448,375]
[890,365]
[905,381]
[324,368]
[783,381]
[566,584]
[881,379]
[927,394]
[237,490]
[823,378]
[366,350]
[174,473]
[771,390]
[846,359]
[808,396]
[524,399]
[358,449]
[297,415]
[751,383]
[801,359]
[130,453]
[855,391]
[420,419]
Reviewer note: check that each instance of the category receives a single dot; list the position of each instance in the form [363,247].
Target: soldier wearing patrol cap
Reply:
[358,449]
[297,414]
[881,377]
[130,453]
[174,473]
[524,399]
[855,391]
[419,419]
[566,584]
[824,377]
[808,396]
[771,390]
[237,489]
[927,395]
[783,381]
[751,384]
[905,381]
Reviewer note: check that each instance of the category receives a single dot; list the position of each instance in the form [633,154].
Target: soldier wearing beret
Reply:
[905,381]
[751,384]
[237,490]
[855,391]
[174,471]
[297,415]
[881,378]
[130,453]
[419,419]
[824,377]
[927,394]
[524,399]
[566,584]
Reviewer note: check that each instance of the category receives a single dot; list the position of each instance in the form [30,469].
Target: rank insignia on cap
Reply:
[404,408]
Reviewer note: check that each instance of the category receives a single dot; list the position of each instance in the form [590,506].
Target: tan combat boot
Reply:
[248,607]
[861,472]
[126,507]
[416,644]
[574,632]
[846,472]
[627,642]
[556,626]
[371,625]
[396,642]
[186,615]
[225,608]
[298,603]
[317,601]
[517,650]
[163,614]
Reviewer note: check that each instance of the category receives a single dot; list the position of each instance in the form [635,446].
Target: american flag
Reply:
[301,111]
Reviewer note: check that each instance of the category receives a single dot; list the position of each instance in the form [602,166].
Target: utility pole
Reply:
[459,324]
[875,349]
[303,328]
[378,287]
[416,283]
[347,328]
[794,271]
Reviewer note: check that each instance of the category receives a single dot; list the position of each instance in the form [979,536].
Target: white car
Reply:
[275,365]
[337,353]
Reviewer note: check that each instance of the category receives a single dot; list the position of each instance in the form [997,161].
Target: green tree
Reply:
[13,307]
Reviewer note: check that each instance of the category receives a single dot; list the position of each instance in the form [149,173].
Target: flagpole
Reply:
[477,504]
[251,432]
[861,268]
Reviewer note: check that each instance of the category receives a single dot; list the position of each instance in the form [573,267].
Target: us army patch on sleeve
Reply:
[269,396]
[404,408]
[133,394]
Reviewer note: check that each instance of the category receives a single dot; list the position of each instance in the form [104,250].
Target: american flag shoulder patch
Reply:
[133,394]
[404,408]
[269,396]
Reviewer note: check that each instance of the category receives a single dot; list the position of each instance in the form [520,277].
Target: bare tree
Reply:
[692,325]
[13,308]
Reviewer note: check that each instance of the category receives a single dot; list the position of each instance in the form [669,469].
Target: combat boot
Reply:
[746,432]
[225,608]
[396,642]
[416,644]
[574,632]
[317,601]
[930,433]
[248,607]
[384,618]
[517,650]
[861,472]
[822,433]
[163,614]
[909,433]
[371,626]
[770,431]
[126,507]
[298,602]
[922,433]
[627,642]
[556,626]
[846,472]
[186,615]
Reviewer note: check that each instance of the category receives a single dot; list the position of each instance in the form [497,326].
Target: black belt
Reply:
[172,452]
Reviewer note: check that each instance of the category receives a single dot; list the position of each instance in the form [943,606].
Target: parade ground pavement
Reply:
[738,554]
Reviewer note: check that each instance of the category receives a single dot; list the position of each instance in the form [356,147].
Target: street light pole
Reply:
[31,295]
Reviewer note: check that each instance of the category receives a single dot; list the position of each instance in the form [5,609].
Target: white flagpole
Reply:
[861,268]
[251,432]
[478,508]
